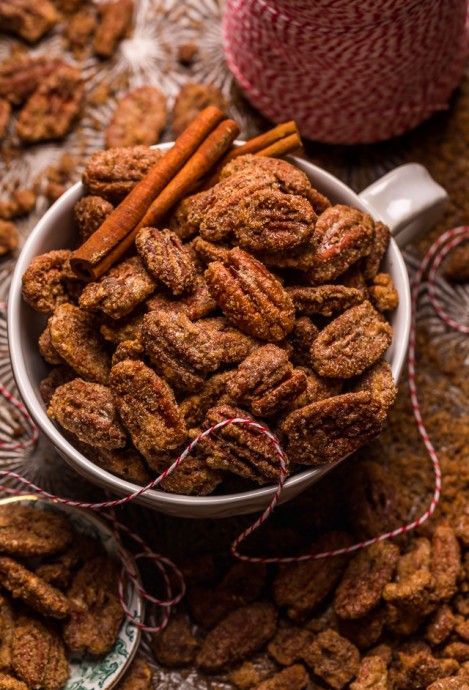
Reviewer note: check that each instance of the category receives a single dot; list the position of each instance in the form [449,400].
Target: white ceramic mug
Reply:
[407,199]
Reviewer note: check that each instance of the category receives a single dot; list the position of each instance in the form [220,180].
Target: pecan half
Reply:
[89,213]
[138,119]
[383,294]
[20,75]
[191,100]
[45,281]
[324,299]
[342,235]
[28,19]
[330,429]
[195,306]
[115,20]
[266,381]
[166,260]
[371,263]
[239,449]
[147,407]
[351,343]
[38,655]
[378,380]
[250,296]
[52,109]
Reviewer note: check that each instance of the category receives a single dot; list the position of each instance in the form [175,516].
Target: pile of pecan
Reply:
[256,298]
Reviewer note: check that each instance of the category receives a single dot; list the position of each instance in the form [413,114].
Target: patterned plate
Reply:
[88,673]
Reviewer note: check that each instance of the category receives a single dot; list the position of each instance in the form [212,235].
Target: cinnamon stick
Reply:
[282,147]
[199,164]
[130,211]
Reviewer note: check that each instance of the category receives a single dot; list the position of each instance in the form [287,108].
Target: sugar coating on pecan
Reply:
[324,299]
[251,297]
[89,213]
[128,349]
[294,677]
[8,236]
[74,334]
[266,381]
[241,633]
[139,676]
[209,251]
[351,343]
[147,407]
[195,306]
[25,531]
[28,19]
[138,119]
[5,112]
[120,290]
[342,235]
[441,625]
[370,264]
[180,350]
[233,345]
[37,593]
[300,588]
[194,407]
[289,645]
[416,661]
[55,378]
[445,563]
[362,585]
[20,74]
[383,294]
[237,448]
[115,21]
[126,463]
[372,674]
[191,100]
[333,658]
[114,173]
[87,410]
[301,338]
[166,259]
[128,328]
[379,381]
[38,655]
[95,610]
[183,219]
[45,281]
[53,107]
[47,350]
[192,478]
[175,645]
[330,429]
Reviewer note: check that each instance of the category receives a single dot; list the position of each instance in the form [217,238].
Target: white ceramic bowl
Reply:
[88,673]
[406,199]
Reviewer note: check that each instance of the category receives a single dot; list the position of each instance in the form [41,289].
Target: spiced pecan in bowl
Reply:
[276,294]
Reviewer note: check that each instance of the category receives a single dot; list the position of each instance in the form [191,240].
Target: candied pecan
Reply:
[120,290]
[289,645]
[138,677]
[301,339]
[293,678]
[79,29]
[324,299]
[166,260]
[341,236]
[445,562]
[139,118]
[191,100]
[37,593]
[370,264]
[440,625]
[45,281]
[364,632]
[239,449]
[209,251]
[266,381]
[95,610]
[242,584]
[74,335]
[262,219]
[195,306]
[10,683]
[248,675]
[300,258]
[20,203]
[353,277]
[52,109]
[378,380]
[7,626]
[180,350]
[458,651]
[89,213]
[87,410]
[55,378]
[128,349]
[333,658]
[317,388]
[20,75]
[241,633]
[38,655]
[302,587]
[175,645]
[250,296]
[331,429]
[351,343]
[450,683]
[25,531]
[59,569]
[191,478]
[456,265]
[461,629]
[47,350]
[114,173]
[417,668]
[372,675]
[234,346]
[383,294]
[128,328]
[5,112]
[28,19]
[126,463]
[147,407]
[115,21]
[194,407]
[183,220]
[363,582]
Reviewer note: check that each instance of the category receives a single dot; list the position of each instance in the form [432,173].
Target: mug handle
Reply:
[408,200]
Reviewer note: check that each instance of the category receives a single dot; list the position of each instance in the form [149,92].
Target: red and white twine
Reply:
[172,576]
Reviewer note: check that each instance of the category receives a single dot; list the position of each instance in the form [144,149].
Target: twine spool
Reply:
[348,71]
